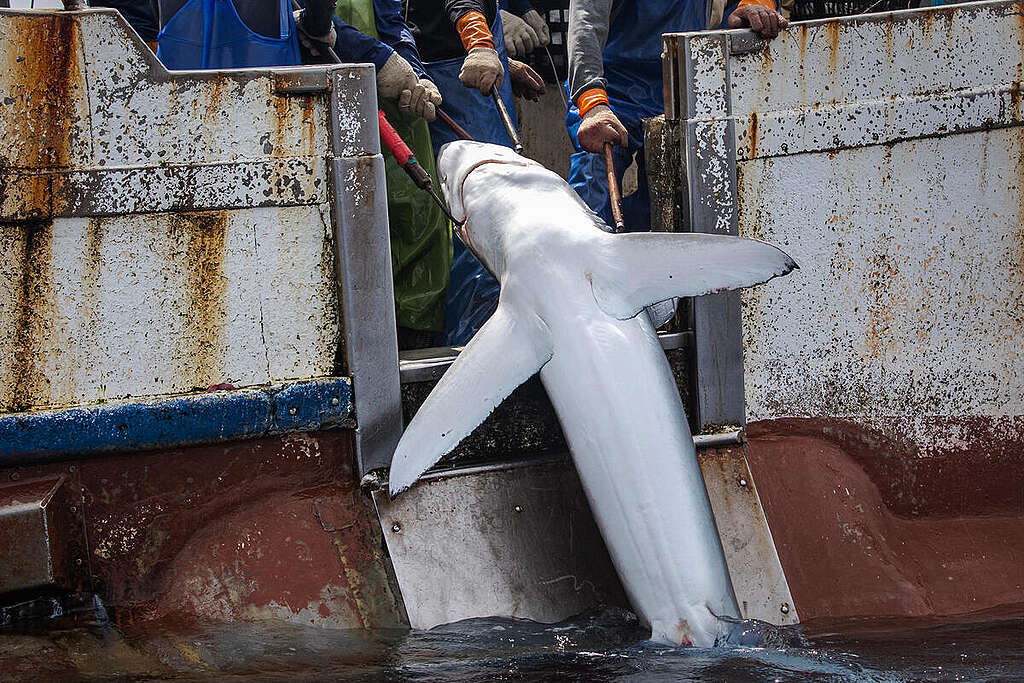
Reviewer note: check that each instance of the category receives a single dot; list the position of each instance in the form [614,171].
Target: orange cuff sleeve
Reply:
[763,3]
[589,99]
[474,32]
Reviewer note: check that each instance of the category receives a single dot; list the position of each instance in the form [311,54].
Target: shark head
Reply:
[456,160]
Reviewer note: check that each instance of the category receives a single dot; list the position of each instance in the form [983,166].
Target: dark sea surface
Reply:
[604,646]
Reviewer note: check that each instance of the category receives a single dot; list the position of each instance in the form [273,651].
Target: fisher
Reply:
[524,28]
[456,39]
[615,82]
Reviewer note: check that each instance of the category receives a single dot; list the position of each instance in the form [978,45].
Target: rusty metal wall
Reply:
[169,232]
[141,264]
[886,154]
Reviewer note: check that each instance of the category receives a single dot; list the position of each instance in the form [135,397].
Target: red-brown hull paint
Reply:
[868,534]
[266,528]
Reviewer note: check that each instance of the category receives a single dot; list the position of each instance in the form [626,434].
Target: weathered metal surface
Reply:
[488,540]
[42,542]
[886,154]
[370,347]
[175,421]
[238,531]
[518,542]
[106,308]
[706,144]
[910,300]
[828,86]
[757,577]
[878,79]
[175,231]
[852,559]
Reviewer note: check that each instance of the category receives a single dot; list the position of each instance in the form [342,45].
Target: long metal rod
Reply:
[450,122]
[613,189]
[506,121]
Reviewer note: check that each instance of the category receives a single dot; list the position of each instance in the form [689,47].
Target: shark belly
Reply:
[618,405]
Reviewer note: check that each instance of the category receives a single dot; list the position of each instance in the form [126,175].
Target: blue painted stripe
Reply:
[192,419]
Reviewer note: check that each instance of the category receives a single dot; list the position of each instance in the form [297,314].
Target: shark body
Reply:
[569,307]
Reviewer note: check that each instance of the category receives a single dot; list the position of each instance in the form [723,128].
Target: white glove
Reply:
[395,76]
[421,101]
[314,43]
[539,26]
[520,39]
[481,69]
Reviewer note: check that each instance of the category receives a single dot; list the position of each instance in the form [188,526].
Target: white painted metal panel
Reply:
[886,154]
[172,231]
[910,296]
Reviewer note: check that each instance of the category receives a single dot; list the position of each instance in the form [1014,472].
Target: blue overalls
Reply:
[632,67]
[209,34]
[472,291]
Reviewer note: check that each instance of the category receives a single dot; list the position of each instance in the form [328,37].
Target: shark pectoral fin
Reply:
[640,269]
[506,352]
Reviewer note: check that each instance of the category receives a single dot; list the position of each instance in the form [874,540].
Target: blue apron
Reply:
[209,34]
[632,67]
[472,291]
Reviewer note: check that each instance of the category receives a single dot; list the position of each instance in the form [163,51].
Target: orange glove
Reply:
[473,31]
[599,124]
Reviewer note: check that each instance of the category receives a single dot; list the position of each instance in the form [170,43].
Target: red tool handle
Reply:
[395,144]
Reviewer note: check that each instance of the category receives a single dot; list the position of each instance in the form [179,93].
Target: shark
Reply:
[571,307]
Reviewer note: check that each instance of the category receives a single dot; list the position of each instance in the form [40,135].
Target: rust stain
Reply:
[204,345]
[46,78]
[93,268]
[753,134]
[281,122]
[308,109]
[215,101]
[803,42]
[832,30]
[27,384]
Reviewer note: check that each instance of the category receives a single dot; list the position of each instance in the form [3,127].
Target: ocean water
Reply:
[607,645]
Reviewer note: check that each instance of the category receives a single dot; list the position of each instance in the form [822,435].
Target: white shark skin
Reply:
[570,294]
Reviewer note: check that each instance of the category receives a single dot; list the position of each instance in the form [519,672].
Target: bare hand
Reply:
[599,126]
[526,82]
[765,22]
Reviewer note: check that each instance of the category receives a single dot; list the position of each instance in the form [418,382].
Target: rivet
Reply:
[785,608]
[73,469]
[15,476]
[518,508]
[335,401]
[78,561]
[74,509]
[293,410]
[396,527]
[743,482]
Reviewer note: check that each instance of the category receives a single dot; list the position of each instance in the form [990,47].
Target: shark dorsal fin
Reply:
[506,352]
[639,269]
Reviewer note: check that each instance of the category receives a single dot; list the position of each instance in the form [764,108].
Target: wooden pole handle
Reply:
[613,189]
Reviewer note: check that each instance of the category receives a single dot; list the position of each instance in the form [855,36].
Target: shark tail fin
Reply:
[640,269]
[503,354]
